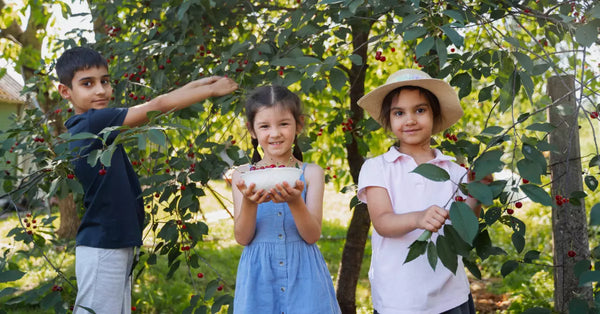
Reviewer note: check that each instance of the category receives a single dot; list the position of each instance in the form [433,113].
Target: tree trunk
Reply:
[569,221]
[356,237]
[69,220]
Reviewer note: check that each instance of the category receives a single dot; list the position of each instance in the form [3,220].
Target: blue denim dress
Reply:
[279,272]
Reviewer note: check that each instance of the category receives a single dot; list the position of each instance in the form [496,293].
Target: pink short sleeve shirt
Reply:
[413,287]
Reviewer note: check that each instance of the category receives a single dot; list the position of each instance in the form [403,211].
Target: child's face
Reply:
[411,118]
[275,129]
[90,89]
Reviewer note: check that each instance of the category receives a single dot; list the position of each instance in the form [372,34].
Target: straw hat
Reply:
[450,107]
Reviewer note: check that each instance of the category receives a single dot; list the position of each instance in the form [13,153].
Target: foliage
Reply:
[498,54]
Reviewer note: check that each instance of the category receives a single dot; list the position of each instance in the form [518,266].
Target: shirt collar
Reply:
[393,154]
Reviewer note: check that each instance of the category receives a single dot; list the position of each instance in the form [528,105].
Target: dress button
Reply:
[279,213]
[282,289]
[280,236]
[281,263]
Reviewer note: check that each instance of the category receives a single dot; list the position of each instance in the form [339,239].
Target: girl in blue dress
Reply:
[281,269]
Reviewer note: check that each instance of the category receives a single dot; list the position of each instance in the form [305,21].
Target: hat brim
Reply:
[450,109]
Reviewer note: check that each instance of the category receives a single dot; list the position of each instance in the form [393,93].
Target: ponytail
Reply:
[297,152]
[256,155]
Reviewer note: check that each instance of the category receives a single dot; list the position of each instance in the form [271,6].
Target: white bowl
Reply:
[267,178]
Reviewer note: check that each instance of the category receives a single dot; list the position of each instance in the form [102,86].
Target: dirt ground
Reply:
[485,301]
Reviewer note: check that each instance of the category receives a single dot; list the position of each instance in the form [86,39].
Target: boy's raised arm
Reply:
[180,98]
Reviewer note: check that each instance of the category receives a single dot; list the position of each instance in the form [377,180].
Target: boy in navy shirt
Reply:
[112,225]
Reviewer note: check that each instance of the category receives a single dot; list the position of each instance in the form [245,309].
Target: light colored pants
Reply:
[103,280]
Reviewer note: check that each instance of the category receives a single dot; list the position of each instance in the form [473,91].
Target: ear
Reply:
[65,91]
[250,129]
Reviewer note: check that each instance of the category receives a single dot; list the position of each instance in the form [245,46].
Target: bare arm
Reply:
[389,224]
[180,98]
[245,204]
[307,216]
[472,202]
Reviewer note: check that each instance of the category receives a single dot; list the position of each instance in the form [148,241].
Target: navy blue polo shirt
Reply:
[114,210]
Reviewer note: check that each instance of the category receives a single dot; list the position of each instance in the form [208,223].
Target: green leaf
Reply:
[157,137]
[464,221]
[458,244]
[530,170]
[92,158]
[472,267]
[481,192]
[454,36]
[524,61]
[11,275]
[446,254]
[7,291]
[595,161]
[75,186]
[432,256]
[492,214]
[541,127]
[591,183]
[595,215]
[415,250]
[356,59]
[518,241]
[531,256]
[589,276]
[82,136]
[211,288]
[531,153]
[424,46]
[106,156]
[463,81]
[414,33]
[587,34]
[581,267]
[337,79]
[457,15]
[442,51]
[220,302]
[536,194]
[489,162]
[432,172]
[508,267]
[577,306]
[492,130]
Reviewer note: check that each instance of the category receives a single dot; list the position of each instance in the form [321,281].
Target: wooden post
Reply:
[569,222]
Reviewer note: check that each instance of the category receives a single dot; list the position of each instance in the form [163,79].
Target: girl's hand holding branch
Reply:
[432,219]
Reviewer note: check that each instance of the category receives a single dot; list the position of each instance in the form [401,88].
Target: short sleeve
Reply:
[108,117]
[370,175]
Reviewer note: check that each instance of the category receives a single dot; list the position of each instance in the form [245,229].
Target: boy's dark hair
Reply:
[270,96]
[386,105]
[77,59]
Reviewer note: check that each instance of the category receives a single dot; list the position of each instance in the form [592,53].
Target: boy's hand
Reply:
[432,219]
[222,86]
[248,192]
[285,192]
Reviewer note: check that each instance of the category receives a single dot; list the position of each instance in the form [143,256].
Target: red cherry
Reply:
[168,60]
[200,275]
[335,176]
[183,227]
[518,204]
[452,50]
[459,198]
[571,253]
[30,232]
[559,202]
[594,115]
[28,215]
[133,308]
[179,222]
[393,49]
[232,142]
[219,288]
[102,171]
[382,59]
[510,211]
[157,195]
[525,181]
[182,188]
[280,72]
[558,197]
[162,67]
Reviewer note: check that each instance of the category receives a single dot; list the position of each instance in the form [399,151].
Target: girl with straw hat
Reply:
[402,204]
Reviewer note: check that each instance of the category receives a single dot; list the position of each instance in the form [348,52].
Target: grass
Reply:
[218,257]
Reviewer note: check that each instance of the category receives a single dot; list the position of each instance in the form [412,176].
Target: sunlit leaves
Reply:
[536,194]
